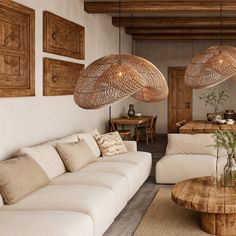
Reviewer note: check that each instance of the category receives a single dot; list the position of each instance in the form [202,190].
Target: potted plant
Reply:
[224,139]
[215,99]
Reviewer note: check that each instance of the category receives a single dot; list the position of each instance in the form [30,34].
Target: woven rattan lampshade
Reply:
[113,78]
[211,67]
[156,88]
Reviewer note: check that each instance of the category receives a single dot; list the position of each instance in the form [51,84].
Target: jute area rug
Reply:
[165,218]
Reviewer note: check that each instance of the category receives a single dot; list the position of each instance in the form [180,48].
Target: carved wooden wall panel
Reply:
[63,37]
[17,39]
[60,77]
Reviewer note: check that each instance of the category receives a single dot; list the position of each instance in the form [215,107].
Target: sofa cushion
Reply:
[67,139]
[142,159]
[131,145]
[131,171]
[89,139]
[75,155]
[117,183]
[45,223]
[95,201]
[47,157]
[190,144]
[174,168]
[20,177]
[110,144]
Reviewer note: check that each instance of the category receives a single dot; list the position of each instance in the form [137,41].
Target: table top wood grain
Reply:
[202,126]
[197,194]
[137,120]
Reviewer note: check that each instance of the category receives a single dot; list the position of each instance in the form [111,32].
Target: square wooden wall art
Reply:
[60,77]
[62,36]
[17,49]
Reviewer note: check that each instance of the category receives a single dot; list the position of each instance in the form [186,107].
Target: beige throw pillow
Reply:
[191,144]
[19,177]
[110,144]
[89,139]
[47,157]
[75,155]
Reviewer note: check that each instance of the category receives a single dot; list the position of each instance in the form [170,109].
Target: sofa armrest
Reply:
[131,146]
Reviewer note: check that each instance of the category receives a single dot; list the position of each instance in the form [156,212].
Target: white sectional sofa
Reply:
[188,156]
[82,203]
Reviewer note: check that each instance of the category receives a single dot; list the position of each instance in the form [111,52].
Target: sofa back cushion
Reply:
[89,139]
[75,155]
[47,157]
[19,177]
[190,144]
[67,139]
[110,144]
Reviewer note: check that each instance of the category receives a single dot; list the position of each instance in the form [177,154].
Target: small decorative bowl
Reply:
[221,121]
[138,114]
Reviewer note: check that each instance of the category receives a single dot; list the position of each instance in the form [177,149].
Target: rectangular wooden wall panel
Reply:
[63,37]
[60,77]
[17,49]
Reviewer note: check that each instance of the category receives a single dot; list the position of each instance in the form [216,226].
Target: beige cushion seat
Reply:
[95,201]
[45,223]
[142,159]
[129,170]
[117,183]
[174,168]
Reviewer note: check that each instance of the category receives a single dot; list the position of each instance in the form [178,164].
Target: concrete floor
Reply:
[128,220]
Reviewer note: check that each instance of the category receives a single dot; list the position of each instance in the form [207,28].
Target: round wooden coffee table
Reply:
[217,205]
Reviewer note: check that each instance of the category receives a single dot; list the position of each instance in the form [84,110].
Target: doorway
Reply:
[180,98]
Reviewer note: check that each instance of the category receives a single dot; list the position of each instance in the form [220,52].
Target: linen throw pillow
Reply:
[75,155]
[47,157]
[19,177]
[110,144]
[89,139]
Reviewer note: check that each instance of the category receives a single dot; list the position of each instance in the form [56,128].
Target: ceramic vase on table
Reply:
[131,111]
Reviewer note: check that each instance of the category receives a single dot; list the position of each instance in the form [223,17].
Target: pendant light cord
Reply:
[221,22]
[132,26]
[119,27]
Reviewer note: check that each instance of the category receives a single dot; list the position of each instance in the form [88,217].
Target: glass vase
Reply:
[216,115]
[230,172]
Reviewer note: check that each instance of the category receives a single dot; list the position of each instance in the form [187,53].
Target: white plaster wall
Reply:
[31,120]
[168,53]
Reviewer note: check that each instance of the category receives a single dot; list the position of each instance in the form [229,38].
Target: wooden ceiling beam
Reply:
[161,6]
[173,21]
[188,30]
[182,37]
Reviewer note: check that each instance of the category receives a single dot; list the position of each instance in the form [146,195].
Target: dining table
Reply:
[131,121]
[204,126]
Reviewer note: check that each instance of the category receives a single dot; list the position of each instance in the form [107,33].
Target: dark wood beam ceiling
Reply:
[172,26]
[161,6]
[173,21]
[182,30]
[182,37]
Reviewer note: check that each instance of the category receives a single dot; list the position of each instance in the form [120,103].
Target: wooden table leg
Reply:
[219,224]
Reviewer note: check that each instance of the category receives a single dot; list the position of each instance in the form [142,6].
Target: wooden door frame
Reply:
[169,71]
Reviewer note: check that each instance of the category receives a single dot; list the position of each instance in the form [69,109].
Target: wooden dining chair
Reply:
[124,133]
[180,124]
[146,132]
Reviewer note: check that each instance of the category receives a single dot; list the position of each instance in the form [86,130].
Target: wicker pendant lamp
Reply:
[113,78]
[212,66]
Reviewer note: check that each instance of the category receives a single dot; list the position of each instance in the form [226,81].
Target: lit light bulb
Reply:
[221,61]
[120,74]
